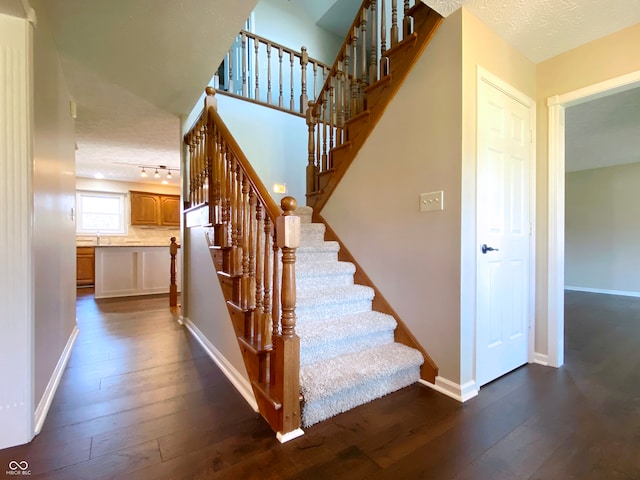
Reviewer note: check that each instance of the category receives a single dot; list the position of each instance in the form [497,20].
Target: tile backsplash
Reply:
[137,235]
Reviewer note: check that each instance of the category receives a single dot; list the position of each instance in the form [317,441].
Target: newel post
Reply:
[286,342]
[173,287]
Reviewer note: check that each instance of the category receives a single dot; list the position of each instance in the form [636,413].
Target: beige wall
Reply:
[481,47]
[204,302]
[600,60]
[603,229]
[413,257]
[53,197]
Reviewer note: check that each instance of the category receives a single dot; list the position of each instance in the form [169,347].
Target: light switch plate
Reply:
[432,201]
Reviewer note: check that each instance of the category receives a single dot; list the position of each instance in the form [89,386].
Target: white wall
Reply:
[288,24]
[276,143]
[53,199]
[602,236]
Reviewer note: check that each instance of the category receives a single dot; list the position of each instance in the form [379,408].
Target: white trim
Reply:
[285,437]
[45,402]
[530,103]
[235,377]
[623,293]
[458,392]
[541,359]
[555,245]
[556,202]
[16,234]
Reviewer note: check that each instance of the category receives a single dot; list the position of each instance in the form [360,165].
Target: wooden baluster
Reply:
[325,126]
[407,26]
[244,240]
[281,98]
[199,167]
[257,68]
[340,88]
[363,61]
[230,84]
[173,287]
[259,269]
[235,227]
[227,216]
[311,172]
[373,56]
[252,256]
[287,343]
[383,39]
[275,287]
[304,99]
[394,22]
[209,187]
[332,121]
[192,148]
[268,278]
[269,73]
[292,102]
[353,108]
[315,80]
[244,65]
[346,99]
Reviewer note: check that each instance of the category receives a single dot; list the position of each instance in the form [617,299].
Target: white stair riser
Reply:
[324,351]
[323,281]
[316,256]
[324,312]
[357,395]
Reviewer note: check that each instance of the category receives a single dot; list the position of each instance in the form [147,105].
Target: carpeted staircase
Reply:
[348,356]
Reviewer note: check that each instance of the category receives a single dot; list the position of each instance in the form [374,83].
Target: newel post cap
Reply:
[288,225]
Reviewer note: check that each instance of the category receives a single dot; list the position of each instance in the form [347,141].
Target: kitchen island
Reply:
[125,270]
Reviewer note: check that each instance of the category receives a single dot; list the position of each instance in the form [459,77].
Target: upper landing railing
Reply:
[263,71]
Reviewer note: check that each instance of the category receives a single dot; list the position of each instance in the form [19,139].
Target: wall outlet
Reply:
[432,201]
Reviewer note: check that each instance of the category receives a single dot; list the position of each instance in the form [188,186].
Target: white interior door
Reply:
[503,232]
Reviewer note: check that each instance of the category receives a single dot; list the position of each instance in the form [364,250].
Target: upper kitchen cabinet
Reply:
[155,209]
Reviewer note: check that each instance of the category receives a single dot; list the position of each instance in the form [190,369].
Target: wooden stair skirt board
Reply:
[402,57]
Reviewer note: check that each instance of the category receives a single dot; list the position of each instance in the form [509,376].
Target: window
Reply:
[101,213]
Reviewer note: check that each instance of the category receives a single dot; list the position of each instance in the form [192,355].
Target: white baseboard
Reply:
[235,377]
[283,438]
[461,393]
[600,290]
[45,402]
[541,359]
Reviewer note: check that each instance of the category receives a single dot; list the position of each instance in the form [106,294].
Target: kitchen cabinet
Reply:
[85,266]
[127,271]
[155,209]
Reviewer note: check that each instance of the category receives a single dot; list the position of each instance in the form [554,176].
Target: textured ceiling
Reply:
[134,65]
[542,29]
[603,132]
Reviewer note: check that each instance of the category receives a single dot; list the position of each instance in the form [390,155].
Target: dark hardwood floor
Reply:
[141,400]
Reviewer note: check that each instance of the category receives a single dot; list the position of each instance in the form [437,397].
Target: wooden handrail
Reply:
[361,62]
[251,234]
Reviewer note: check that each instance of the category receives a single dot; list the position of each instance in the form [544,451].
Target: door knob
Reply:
[486,249]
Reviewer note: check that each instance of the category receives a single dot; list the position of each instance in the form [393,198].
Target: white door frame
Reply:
[486,76]
[556,223]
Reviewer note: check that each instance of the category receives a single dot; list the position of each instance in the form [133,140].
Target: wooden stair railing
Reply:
[248,69]
[381,46]
[376,56]
[247,233]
